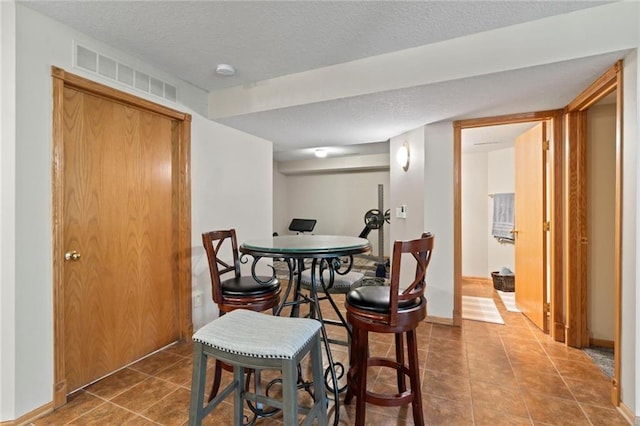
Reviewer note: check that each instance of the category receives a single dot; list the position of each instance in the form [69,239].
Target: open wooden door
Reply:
[530,233]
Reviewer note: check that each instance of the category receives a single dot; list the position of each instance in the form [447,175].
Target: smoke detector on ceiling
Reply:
[225,69]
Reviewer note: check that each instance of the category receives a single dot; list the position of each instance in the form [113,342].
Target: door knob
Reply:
[514,232]
[73,256]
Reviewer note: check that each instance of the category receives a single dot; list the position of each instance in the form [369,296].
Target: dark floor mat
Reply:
[603,357]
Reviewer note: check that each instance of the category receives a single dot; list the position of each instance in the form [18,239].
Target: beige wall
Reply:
[281,214]
[438,216]
[407,188]
[601,152]
[338,201]
[475,219]
[484,173]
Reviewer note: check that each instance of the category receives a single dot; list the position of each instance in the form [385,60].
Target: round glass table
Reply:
[306,246]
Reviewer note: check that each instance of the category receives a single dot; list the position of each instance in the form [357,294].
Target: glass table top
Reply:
[301,244]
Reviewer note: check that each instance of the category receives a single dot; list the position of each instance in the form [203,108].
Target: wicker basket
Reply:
[503,282]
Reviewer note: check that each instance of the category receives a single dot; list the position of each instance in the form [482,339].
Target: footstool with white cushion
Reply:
[253,340]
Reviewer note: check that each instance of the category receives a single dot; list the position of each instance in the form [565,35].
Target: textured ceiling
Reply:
[380,116]
[266,39]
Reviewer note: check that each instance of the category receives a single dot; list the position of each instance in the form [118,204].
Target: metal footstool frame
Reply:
[247,339]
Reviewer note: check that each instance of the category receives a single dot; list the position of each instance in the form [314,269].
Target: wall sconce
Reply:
[402,157]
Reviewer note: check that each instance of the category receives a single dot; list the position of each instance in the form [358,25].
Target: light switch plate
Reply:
[401,212]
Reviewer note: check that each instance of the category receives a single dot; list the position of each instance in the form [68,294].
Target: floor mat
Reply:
[603,357]
[509,300]
[480,309]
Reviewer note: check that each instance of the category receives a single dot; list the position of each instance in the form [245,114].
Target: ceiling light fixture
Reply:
[225,69]
[320,153]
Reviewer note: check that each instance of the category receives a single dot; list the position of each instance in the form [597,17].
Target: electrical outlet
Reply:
[197,300]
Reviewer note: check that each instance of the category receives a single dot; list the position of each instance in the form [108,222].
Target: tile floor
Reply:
[479,374]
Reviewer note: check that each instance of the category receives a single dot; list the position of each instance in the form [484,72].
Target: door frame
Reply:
[181,185]
[555,188]
[576,231]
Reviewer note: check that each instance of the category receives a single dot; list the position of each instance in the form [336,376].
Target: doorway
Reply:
[121,200]
[601,166]
[577,234]
[504,199]
[569,239]
[553,208]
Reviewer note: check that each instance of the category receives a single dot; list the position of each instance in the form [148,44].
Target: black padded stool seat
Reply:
[248,286]
[377,299]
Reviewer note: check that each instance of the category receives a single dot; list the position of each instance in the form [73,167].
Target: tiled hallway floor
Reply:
[481,373]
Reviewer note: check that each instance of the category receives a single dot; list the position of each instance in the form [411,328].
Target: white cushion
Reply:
[254,334]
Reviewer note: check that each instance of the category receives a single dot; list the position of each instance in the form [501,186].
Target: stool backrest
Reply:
[421,250]
[216,242]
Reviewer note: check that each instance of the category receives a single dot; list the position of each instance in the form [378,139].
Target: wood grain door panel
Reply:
[530,259]
[121,297]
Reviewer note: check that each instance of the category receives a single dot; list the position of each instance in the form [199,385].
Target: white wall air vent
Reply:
[170,92]
[125,74]
[156,87]
[107,67]
[86,59]
[142,81]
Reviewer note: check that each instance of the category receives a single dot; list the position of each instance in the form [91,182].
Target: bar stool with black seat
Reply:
[235,291]
[389,309]
[252,340]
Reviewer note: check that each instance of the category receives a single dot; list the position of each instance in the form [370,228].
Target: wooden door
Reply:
[530,241]
[120,295]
